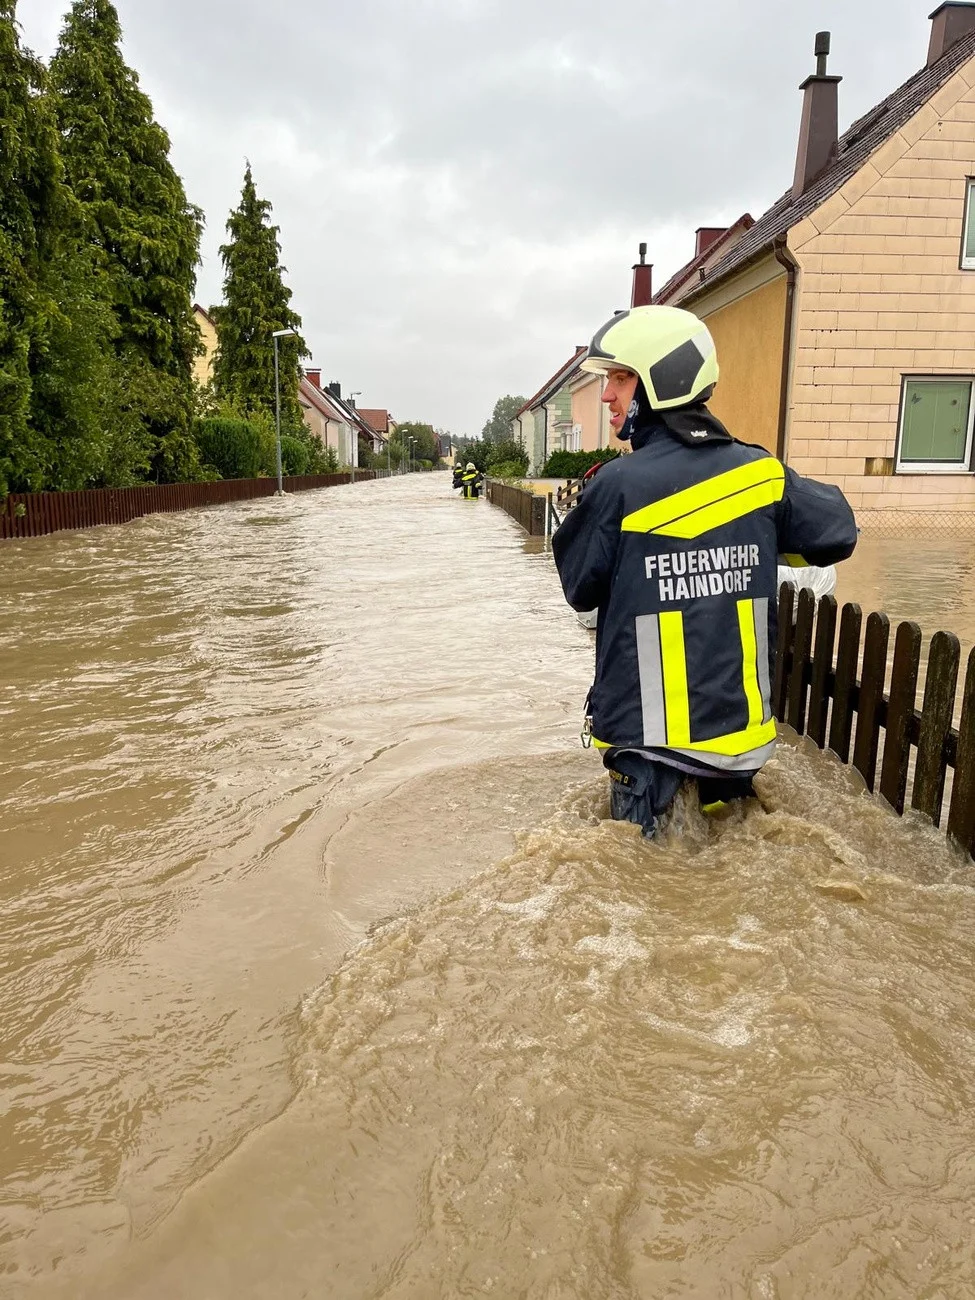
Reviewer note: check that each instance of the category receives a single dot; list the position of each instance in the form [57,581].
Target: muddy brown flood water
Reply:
[324,974]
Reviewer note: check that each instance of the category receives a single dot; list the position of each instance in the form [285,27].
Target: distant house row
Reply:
[844,316]
[336,421]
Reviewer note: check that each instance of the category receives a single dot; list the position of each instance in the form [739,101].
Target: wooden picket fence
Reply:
[823,684]
[35,514]
[567,495]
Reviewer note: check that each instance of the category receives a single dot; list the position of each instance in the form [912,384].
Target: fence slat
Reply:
[936,713]
[847,654]
[900,711]
[795,711]
[783,646]
[961,814]
[821,670]
[871,697]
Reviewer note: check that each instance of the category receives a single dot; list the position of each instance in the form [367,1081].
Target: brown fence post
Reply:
[871,698]
[795,710]
[537,516]
[845,686]
[783,646]
[900,715]
[822,670]
[961,814]
[936,714]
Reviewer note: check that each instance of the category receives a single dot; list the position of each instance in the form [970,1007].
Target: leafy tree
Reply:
[498,428]
[477,452]
[55,355]
[144,233]
[510,454]
[256,304]
[32,203]
[426,443]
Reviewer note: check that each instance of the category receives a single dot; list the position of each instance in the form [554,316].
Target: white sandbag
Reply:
[821,582]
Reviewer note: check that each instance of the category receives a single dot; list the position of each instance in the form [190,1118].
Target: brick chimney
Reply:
[819,133]
[335,388]
[949,23]
[642,294]
[705,237]
[314,377]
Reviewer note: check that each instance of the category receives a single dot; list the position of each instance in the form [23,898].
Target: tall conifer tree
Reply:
[256,303]
[145,232]
[31,206]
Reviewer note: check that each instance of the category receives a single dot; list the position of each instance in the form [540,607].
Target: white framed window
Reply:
[934,434]
[968,229]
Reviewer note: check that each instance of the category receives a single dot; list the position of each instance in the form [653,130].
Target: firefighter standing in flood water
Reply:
[470,482]
[677,546]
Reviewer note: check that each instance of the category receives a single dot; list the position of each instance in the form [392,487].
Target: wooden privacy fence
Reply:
[527,508]
[37,513]
[819,692]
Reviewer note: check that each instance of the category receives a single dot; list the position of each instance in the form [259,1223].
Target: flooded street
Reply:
[324,974]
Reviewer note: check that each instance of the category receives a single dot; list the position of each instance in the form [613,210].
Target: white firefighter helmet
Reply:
[670,349]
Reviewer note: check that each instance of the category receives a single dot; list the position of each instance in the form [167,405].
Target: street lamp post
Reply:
[412,455]
[279,334]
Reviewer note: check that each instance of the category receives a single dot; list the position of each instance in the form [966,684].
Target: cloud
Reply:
[461,184]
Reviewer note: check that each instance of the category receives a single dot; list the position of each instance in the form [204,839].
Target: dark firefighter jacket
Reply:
[458,476]
[471,483]
[677,545]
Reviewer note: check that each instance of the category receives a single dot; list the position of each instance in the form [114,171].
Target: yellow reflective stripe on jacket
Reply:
[795,561]
[730,745]
[749,662]
[674,663]
[736,742]
[716,501]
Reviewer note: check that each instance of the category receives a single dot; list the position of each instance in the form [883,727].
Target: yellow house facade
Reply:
[845,317]
[203,364]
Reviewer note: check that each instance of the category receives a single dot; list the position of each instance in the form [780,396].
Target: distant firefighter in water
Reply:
[471,482]
[458,474]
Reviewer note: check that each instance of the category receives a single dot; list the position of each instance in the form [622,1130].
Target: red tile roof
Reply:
[376,419]
[744,223]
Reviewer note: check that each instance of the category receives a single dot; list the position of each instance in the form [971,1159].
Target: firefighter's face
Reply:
[618,394]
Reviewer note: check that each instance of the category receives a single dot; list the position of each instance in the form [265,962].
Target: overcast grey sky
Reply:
[461,185]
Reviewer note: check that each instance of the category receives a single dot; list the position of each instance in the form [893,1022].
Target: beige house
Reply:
[325,417]
[203,364]
[590,415]
[845,316]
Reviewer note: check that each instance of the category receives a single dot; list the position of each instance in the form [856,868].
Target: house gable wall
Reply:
[881,296]
[203,364]
[749,335]
[587,411]
[746,316]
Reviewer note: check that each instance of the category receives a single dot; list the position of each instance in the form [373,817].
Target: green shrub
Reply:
[509,456]
[508,469]
[295,456]
[573,464]
[232,447]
